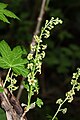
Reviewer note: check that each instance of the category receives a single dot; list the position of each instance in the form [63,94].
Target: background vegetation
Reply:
[62,54]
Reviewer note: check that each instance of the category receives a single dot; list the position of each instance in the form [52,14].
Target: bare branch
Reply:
[11,106]
[37,30]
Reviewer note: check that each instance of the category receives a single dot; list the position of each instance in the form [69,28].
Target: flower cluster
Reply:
[49,25]
[38,51]
[10,78]
[35,61]
[36,56]
[69,95]
[75,86]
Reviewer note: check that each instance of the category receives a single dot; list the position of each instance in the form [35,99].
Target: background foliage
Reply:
[62,55]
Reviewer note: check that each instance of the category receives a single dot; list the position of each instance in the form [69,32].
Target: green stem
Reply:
[59,108]
[7,76]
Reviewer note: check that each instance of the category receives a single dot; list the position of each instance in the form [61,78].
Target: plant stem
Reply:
[58,110]
[40,17]
[7,76]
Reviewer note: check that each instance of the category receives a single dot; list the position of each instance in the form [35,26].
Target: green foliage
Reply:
[4,12]
[39,102]
[12,59]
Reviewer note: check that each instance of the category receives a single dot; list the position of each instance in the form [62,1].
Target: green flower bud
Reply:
[59,101]
[30,56]
[64,110]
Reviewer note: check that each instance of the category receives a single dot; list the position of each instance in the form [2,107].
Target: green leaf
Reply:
[4,64]
[39,102]
[20,70]
[12,59]
[1,89]
[9,14]
[3,18]
[4,12]
[4,48]
[3,5]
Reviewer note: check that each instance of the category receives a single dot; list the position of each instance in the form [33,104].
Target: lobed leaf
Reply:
[12,59]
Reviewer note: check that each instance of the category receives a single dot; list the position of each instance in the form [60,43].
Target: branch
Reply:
[37,30]
[11,106]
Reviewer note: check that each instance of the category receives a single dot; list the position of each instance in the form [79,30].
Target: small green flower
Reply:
[59,101]
[38,65]
[33,47]
[30,66]
[44,47]
[57,20]
[37,39]
[78,87]
[64,110]
[39,57]
[70,93]
[74,82]
[32,82]
[43,54]
[29,76]
[46,34]
[30,56]
[70,99]
[75,75]
[78,71]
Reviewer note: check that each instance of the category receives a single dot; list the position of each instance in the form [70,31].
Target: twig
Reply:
[37,30]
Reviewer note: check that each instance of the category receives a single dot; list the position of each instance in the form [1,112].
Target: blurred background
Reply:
[62,55]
